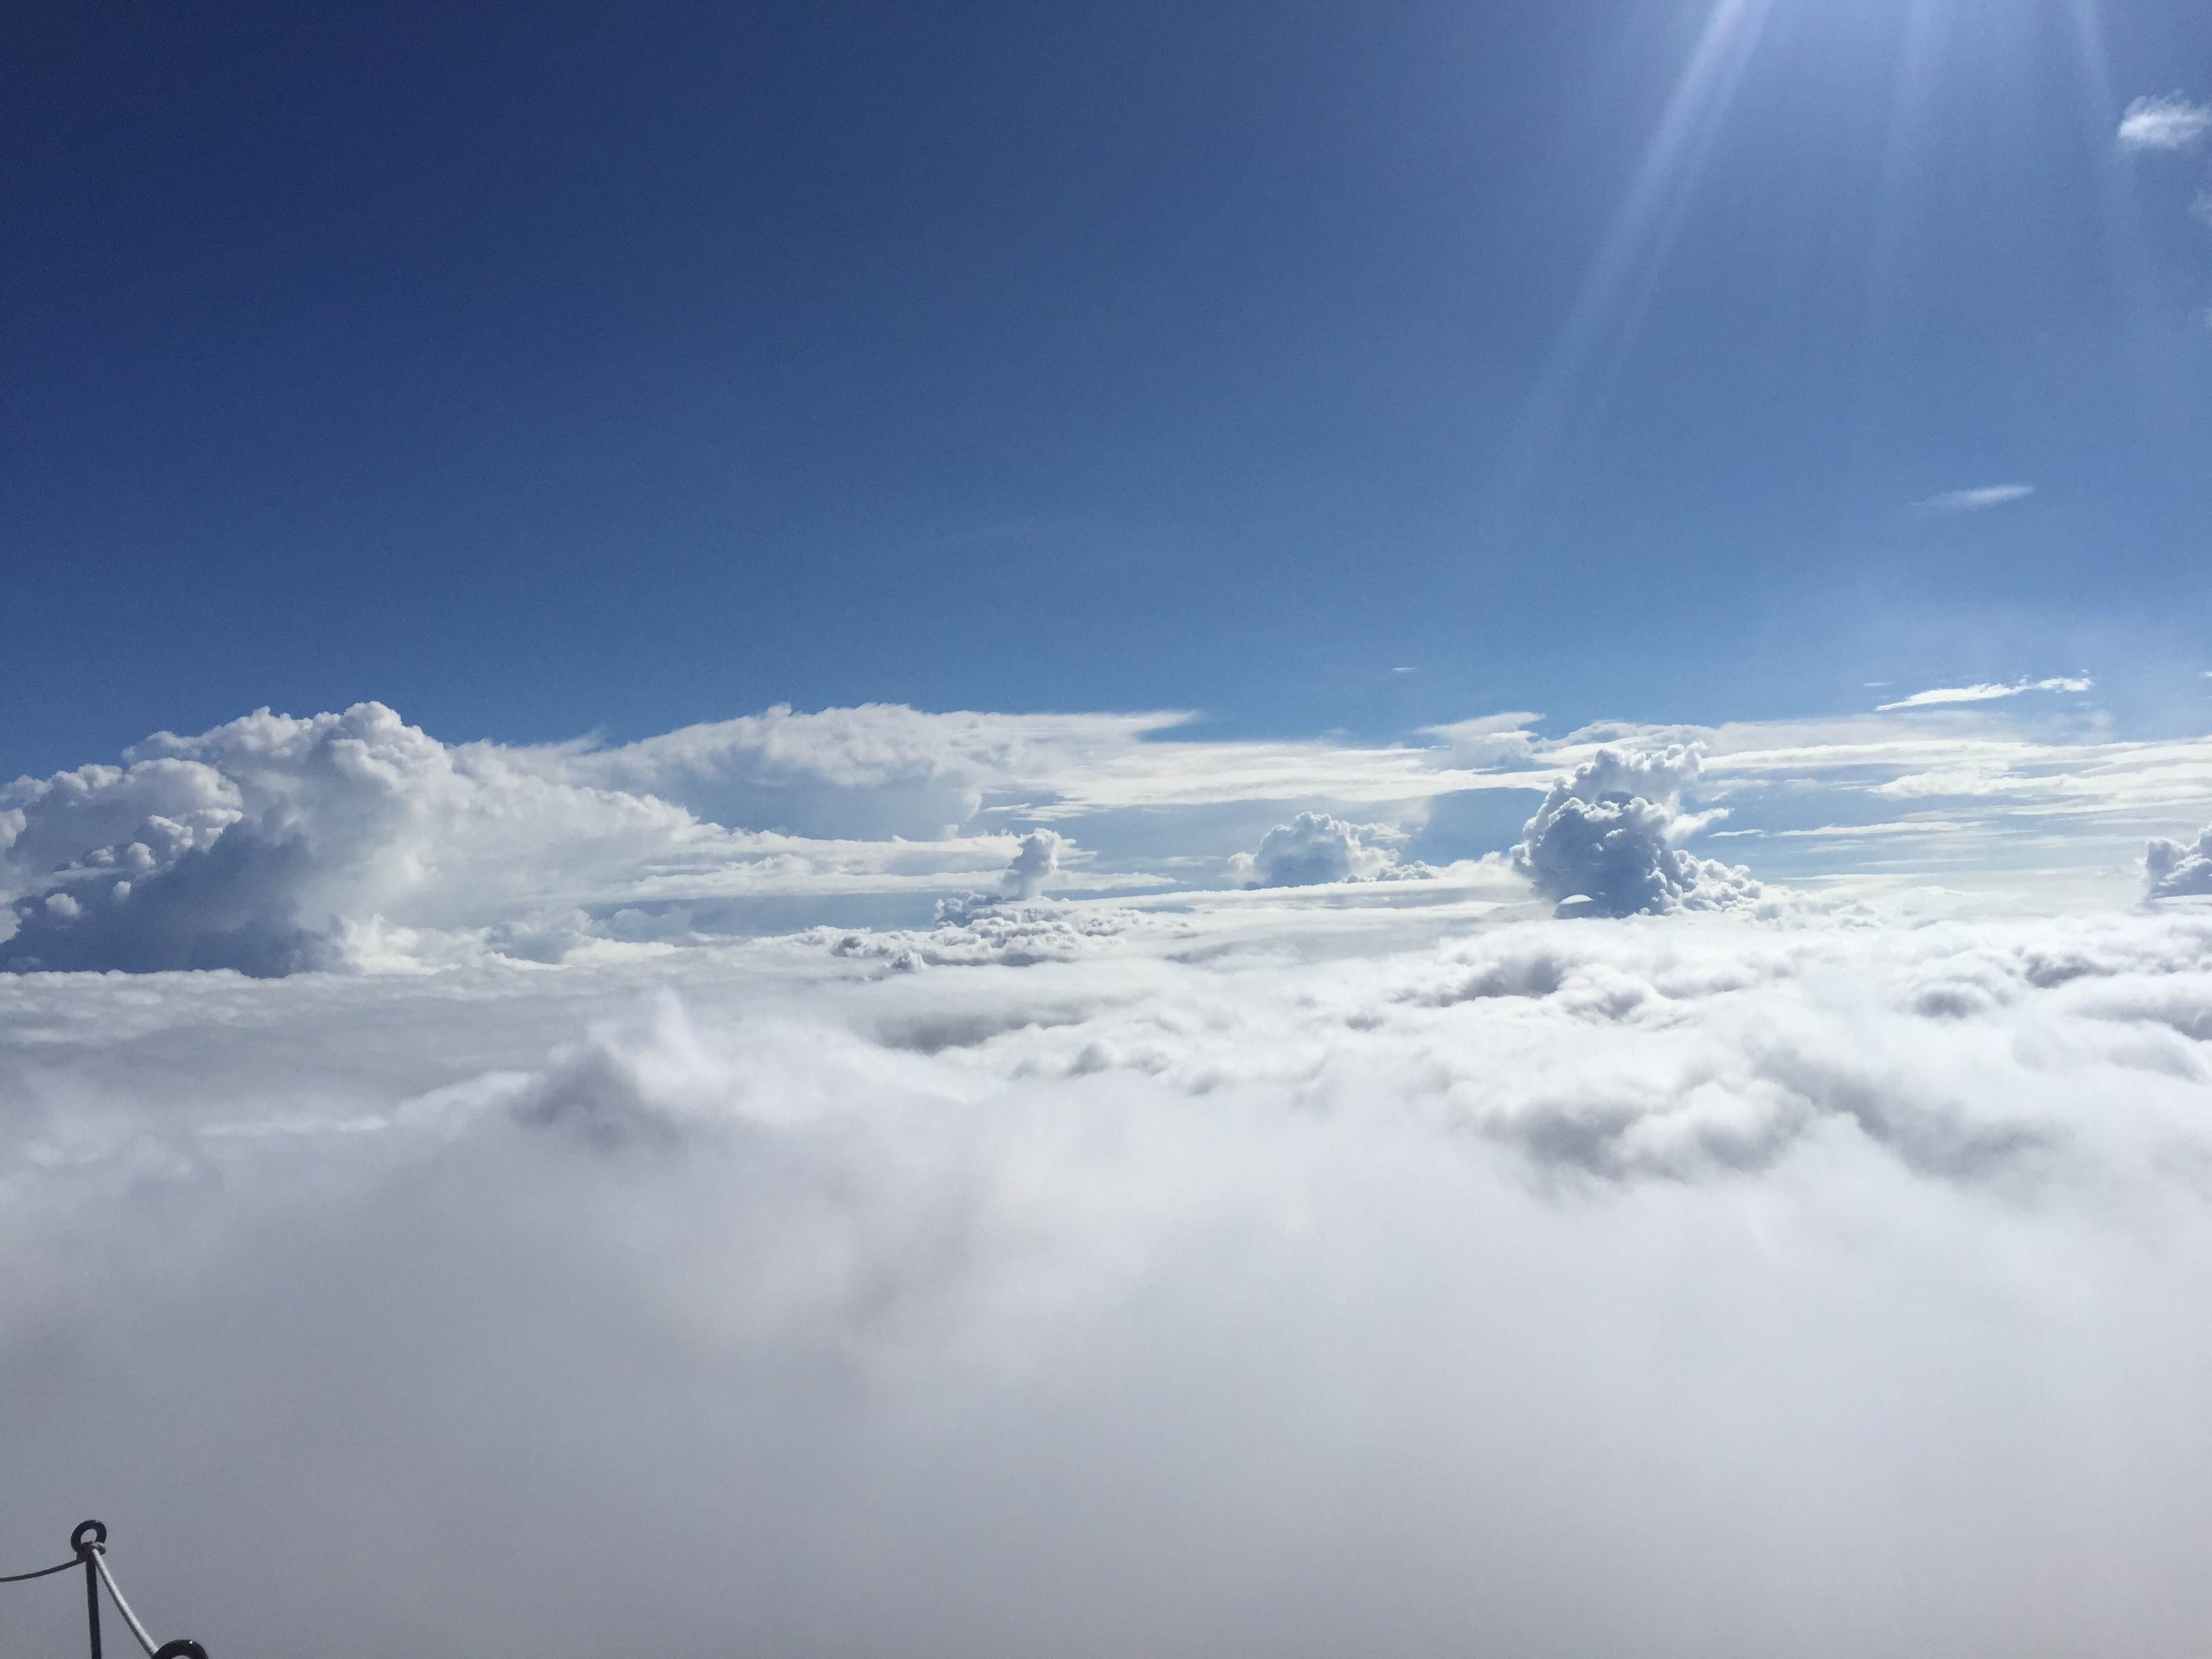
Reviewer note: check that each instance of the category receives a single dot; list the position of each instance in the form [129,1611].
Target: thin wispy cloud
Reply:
[1984,693]
[1975,500]
[2168,121]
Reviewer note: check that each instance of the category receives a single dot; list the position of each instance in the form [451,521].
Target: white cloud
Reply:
[756,1298]
[1974,500]
[1314,848]
[1986,692]
[1602,842]
[2168,121]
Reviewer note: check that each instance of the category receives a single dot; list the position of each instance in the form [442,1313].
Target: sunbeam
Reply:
[1600,327]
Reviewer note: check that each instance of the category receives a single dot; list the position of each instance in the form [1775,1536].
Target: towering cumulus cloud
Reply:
[1605,837]
[1035,862]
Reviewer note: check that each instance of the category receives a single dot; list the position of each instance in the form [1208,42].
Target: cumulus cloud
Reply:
[1986,692]
[1315,848]
[2173,869]
[1602,843]
[214,852]
[756,1298]
[2166,121]
[1974,500]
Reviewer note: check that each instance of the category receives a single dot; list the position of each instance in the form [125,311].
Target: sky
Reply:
[1218,829]
[539,371]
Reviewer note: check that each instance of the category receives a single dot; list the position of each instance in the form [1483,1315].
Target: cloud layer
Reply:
[1242,1278]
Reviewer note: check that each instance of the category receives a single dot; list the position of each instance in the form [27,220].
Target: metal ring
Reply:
[81,1544]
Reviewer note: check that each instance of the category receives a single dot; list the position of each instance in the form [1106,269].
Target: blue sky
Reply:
[543,370]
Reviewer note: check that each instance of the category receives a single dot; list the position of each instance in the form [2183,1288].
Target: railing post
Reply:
[86,1541]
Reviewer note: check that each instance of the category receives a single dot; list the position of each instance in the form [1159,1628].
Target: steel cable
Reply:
[18,1577]
[99,1560]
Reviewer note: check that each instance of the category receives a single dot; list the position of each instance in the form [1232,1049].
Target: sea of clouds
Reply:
[1150,1198]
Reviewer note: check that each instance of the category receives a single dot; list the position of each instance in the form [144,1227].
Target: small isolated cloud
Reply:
[1605,837]
[1984,693]
[2168,121]
[1315,848]
[1975,500]
[2173,871]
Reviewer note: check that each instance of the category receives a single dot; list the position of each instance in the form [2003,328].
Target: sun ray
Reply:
[1592,343]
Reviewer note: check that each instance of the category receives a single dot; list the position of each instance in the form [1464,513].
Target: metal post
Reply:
[86,1541]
